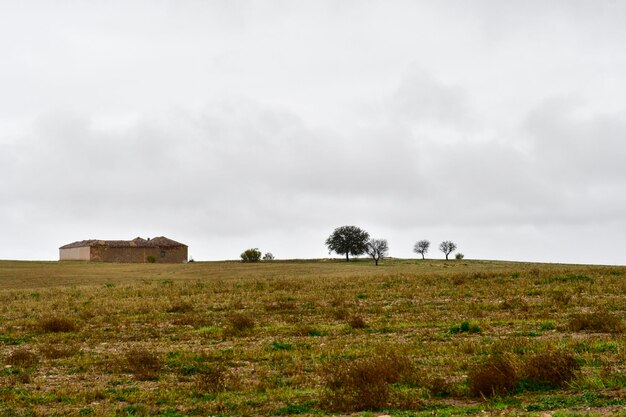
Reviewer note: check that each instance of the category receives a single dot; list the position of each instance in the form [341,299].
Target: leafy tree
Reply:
[348,240]
[377,249]
[421,247]
[447,247]
[251,255]
[269,256]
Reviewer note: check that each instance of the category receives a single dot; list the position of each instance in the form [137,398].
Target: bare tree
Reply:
[447,247]
[377,249]
[421,247]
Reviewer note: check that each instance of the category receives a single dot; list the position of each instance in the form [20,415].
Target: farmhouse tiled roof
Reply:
[157,242]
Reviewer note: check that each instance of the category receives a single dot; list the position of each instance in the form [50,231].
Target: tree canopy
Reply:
[348,240]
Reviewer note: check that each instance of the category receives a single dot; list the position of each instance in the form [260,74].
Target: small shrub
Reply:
[459,256]
[211,379]
[56,325]
[364,384]
[515,303]
[357,322]
[22,358]
[340,313]
[548,325]
[180,307]
[465,327]
[278,345]
[150,259]
[144,364]
[550,369]
[459,279]
[251,255]
[561,297]
[241,322]
[599,322]
[281,305]
[268,256]
[496,376]
[56,351]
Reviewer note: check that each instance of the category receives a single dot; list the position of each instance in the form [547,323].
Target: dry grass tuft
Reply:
[438,386]
[57,351]
[22,357]
[364,384]
[56,324]
[142,363]
[180,306]
[212,379]
[241,322]
[496,376]
[549,369]
[357,322]
[598,322]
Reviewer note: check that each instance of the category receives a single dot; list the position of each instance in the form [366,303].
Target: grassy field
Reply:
[405,338]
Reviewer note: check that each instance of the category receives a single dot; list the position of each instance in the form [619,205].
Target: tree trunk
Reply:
[375,259]
[423,256]
[347,259]
[446,256]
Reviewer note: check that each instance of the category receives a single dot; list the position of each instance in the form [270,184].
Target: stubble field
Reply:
[408,337]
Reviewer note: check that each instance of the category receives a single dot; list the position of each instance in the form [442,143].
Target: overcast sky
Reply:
[234,124]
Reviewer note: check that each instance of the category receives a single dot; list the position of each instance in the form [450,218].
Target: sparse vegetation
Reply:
[311,337]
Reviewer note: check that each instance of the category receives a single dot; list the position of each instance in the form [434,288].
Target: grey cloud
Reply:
[422,98]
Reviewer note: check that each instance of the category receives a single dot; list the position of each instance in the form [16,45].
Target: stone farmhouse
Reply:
[159,249]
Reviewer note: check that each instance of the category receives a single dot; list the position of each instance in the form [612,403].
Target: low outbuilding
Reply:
[159,249]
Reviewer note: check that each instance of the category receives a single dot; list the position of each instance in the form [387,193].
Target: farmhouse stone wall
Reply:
[138,255]
[75,254]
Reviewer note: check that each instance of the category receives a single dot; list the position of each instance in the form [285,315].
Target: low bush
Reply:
[251,255]
[357,322]
[465,327]
[495,376]
[56,325]
[459,256]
